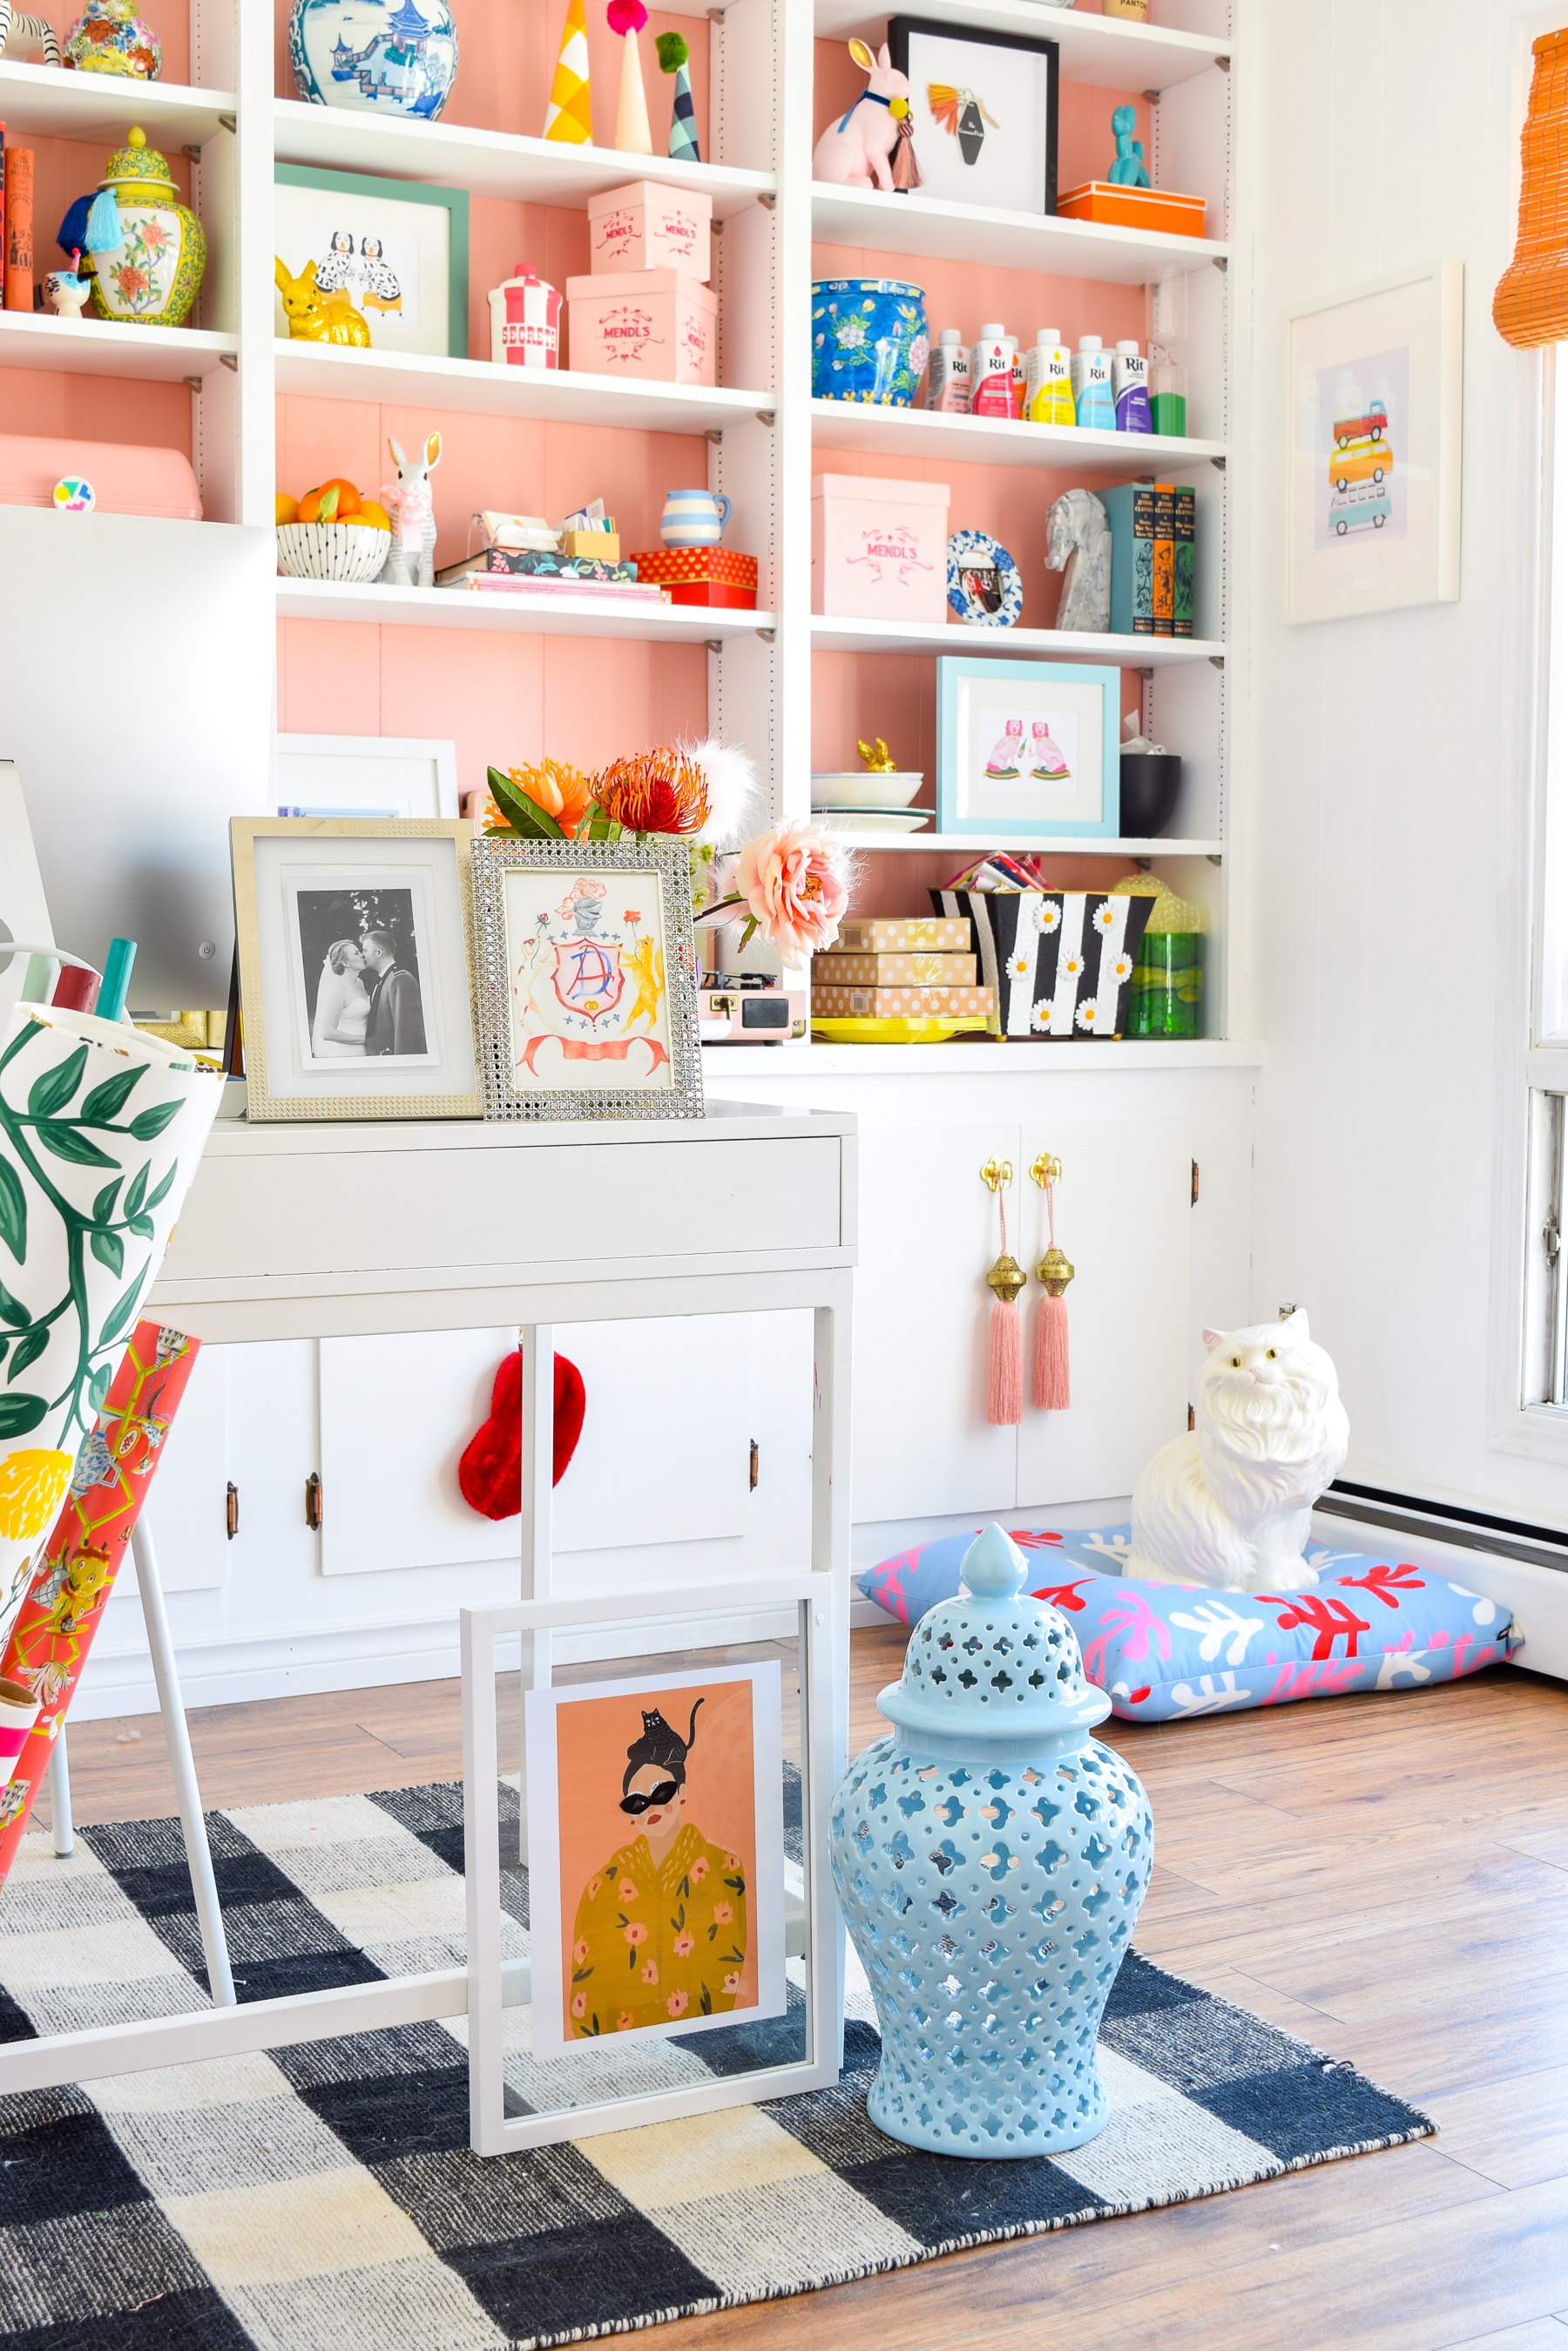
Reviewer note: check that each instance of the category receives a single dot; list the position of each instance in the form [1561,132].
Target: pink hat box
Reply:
[658,326]
[649,226]
[879,548]
[125,479]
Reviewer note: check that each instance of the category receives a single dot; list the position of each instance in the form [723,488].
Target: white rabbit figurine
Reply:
[853,152]
[411,506]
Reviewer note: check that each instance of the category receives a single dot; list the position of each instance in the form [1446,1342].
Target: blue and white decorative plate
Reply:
[984,586]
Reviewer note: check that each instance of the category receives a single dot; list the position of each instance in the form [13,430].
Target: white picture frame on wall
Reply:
[1374,392]
[385,775]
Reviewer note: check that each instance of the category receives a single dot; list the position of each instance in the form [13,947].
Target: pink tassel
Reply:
[1053,1376]
[1004,1377]
[1053,1373]
[1004,1370]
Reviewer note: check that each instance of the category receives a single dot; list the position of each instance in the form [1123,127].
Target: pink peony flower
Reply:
[627,1890]
[699,1870]
[732,1981]
[678,2003]
[625,2021]
[650,1972]
[723,1914]
[579,1951]
[636,1933]
[684,1946]
[580,2005]
[792,881]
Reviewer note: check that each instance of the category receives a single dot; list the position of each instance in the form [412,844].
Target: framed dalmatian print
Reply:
[397,250]
[587,978]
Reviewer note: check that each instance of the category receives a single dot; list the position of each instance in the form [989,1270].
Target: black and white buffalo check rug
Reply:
[325,2199]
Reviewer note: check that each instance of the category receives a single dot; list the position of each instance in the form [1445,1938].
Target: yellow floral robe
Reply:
[655,1943]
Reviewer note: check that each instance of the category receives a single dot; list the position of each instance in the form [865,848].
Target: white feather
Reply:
[734,793]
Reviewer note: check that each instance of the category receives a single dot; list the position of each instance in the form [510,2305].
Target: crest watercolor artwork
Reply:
[587,967]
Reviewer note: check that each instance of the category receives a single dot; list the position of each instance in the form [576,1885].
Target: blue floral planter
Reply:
[992,1858]
[868,339]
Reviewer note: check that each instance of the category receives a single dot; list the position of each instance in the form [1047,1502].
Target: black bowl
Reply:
[1151,783]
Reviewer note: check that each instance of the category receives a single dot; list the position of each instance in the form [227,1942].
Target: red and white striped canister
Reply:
[525,321]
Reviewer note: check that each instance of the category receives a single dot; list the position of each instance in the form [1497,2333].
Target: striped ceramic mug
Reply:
[693,517]
[18,1713]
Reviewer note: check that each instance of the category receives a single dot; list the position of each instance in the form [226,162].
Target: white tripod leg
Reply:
[60,1798]
[188,1796]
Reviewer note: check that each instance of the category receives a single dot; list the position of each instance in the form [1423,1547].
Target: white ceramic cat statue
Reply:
[1230,1503]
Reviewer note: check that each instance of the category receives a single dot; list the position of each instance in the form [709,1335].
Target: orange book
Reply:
[18,228]
[1164,558]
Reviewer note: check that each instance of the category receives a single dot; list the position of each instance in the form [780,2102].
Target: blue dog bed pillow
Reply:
[1164,1651]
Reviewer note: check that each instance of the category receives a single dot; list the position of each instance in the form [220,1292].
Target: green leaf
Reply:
[12,1211]
[106,1101]
[329,505]
[70,1142]
[138,1185]
[4,1344]
[527,815]
[99,1386]
[150,1123]
[18,1413]
[27,1350]
[103,1207]
[143,1226]
[109,1249]
[122,1311]
[160,1189]
[54,1090]
[12,1310]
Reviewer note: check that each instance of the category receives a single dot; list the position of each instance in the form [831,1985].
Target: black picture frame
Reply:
[901,28]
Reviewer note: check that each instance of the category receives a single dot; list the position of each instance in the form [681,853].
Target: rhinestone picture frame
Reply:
[678,1093]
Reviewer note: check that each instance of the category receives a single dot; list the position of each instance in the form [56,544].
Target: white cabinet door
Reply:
[928,1234]
[187,1509]
[664,1455]
[1124,1215]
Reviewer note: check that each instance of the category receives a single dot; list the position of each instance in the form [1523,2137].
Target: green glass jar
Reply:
[1165,996]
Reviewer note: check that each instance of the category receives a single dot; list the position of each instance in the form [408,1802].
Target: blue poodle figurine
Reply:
[1127,170]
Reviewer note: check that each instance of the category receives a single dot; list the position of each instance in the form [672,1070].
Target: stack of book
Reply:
[556,578]
[1153,558]
[908,967]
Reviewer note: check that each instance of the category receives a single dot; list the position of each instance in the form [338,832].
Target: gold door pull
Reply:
[997,1174]
[1046,1169]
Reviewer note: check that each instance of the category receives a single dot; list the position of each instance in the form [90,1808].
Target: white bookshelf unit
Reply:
[766,436]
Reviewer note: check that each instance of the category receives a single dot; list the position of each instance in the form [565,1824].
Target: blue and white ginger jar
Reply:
[991,1859]
[869,339]
[379,56]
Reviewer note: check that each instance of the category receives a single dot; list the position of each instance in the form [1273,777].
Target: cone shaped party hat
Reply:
[570,116]
[632,135]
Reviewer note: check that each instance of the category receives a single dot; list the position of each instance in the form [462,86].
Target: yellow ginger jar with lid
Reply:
[152,277]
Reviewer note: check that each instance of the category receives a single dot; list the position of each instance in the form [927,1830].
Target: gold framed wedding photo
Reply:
[356,967]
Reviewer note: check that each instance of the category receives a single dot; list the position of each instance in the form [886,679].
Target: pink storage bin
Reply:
[878,550]
[658,327]
[125,479]
[649,226]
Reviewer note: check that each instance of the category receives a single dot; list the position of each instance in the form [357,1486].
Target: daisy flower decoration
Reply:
[1023,964]
[1088,1015]
[1050,916]
[1073,967]
[1104,917]
[1121,969]
[1041,1015]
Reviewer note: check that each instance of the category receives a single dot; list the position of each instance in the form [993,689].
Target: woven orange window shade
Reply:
[1530,305]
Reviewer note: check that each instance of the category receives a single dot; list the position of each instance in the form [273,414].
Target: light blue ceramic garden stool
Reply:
[992,1858]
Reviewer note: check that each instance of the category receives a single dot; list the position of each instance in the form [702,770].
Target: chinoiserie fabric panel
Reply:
[657,1941]
[101,1129]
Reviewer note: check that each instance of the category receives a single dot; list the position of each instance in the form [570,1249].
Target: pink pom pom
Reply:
[626,15]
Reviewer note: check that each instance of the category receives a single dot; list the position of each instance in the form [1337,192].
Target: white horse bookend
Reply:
[411,506]
[1078,542]
[853,152]
[1230,1503]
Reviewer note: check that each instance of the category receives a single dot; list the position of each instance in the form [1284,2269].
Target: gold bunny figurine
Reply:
[317,317]
[879,762]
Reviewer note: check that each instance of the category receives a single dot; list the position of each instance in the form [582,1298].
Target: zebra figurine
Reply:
[410,503]
[29,29]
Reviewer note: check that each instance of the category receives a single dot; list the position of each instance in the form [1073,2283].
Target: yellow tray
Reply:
[894,1030]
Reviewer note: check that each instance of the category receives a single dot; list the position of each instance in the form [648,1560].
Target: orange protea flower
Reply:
[562,790]
[659,792]
[32,1487]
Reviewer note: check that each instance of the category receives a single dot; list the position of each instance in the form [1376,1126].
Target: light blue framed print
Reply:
[1028,750]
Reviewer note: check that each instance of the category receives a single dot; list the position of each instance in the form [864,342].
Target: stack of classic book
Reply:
[909,968]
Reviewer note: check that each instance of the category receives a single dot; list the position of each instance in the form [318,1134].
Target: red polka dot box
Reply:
[1164,1651]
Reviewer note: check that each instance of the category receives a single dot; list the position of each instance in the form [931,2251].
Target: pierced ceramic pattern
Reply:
[992,1858]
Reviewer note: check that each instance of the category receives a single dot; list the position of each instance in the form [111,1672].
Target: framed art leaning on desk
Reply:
[356,969]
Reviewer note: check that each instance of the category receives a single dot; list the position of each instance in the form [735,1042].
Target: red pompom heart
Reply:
[490,1471]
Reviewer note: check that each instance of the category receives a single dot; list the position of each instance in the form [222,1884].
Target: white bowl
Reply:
[868,788]
[354,551]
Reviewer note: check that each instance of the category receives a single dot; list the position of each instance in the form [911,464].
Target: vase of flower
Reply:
[992,1858]
[396,58]
[152,277]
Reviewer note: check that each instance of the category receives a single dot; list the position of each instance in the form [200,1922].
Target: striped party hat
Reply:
[570,115]
[673,54]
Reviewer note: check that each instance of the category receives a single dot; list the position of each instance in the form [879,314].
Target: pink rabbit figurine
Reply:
[853,152]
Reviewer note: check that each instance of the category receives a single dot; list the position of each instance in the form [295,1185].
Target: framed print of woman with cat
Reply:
[654,1824]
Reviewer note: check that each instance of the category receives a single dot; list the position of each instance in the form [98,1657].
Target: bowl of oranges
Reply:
[332,533]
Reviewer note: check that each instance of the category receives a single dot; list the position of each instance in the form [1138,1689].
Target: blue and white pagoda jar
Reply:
[992,1858]
[379,56]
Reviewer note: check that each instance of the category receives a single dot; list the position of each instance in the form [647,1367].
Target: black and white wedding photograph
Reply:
[359,969]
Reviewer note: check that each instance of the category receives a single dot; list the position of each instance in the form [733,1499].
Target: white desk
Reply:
[295,1232]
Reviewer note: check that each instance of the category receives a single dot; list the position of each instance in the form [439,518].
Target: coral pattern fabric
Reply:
[656,1942]
[1164,1651]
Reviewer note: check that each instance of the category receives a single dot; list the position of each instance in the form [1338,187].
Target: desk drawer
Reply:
[321,1212]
